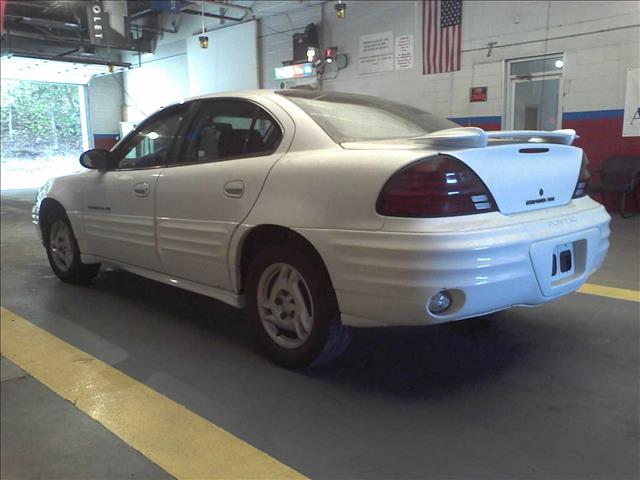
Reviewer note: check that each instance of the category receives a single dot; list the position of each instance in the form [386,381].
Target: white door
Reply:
[119,203]
[228,151]
[534,96]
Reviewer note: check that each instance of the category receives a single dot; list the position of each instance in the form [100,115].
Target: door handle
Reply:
[141,189]
[234,188]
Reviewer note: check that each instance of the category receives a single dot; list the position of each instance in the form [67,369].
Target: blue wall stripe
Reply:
[476,119]
[588,115]
[593,115]
[106,135]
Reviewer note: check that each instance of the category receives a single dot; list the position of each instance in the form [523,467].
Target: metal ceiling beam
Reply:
[143,46]
[42,22]
[247,10]
[91,61]
[141,13]
[210,15]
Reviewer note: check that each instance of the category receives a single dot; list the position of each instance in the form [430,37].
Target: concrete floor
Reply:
[550,392]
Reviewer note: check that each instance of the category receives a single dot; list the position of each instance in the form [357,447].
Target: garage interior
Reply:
[547,392]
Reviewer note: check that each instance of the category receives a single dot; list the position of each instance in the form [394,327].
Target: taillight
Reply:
[583,179]
[439,186]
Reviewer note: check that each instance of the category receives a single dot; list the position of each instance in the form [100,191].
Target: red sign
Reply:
[3,5]
[478,94]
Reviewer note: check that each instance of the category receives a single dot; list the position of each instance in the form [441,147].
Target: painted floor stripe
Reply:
[611,292]
[182,443]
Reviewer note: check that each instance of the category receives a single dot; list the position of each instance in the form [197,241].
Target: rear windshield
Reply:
[349,117]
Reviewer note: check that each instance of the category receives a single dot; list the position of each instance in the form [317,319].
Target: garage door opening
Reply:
[43,131]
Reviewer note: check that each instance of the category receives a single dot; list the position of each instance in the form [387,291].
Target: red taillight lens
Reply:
[439,186]
[583,179]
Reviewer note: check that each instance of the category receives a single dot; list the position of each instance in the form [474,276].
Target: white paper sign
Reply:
[631,122]
[376,53]
[404,52]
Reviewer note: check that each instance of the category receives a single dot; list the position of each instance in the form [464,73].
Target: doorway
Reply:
[533,97]
[43,131]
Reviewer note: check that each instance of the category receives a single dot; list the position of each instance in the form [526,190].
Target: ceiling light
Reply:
[204,40]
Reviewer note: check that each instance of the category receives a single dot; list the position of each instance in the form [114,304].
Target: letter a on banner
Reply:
[631,122]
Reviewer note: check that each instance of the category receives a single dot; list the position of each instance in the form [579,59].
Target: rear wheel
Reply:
[63,252]
[293,308]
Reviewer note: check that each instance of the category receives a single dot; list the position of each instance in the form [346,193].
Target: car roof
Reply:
[263,92]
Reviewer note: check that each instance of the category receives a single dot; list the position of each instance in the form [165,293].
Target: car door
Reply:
[119,203]
[226,155]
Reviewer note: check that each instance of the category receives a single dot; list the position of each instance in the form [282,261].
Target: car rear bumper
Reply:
[386,278]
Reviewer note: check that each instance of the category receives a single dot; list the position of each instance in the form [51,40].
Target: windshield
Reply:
[348,117]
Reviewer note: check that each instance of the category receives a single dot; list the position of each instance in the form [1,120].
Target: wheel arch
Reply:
[49,207]
[259,236]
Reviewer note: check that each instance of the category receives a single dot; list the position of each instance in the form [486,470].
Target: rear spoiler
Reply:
[473,137]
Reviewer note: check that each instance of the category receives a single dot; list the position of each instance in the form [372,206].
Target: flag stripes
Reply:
[441,35]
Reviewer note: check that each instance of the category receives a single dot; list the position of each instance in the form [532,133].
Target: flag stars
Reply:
[451,13]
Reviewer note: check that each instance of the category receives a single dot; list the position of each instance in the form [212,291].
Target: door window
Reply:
[149,146]
[224,129]
[533,95]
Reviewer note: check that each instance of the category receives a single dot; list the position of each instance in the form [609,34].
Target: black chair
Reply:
[619,174]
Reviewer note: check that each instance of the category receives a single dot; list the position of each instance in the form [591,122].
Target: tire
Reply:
[63,251]
[293,308]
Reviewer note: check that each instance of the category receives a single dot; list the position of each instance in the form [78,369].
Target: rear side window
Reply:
[347,117]
[224,129]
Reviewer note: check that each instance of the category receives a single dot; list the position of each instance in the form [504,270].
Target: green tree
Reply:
[39,117]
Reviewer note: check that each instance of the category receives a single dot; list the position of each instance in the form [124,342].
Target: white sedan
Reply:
[320,210]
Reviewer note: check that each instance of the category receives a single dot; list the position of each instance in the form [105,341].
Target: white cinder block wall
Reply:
[600,40]
[595,64]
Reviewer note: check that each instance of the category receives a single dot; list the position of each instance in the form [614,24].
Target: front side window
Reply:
[225,129]
[150,145]
[350,118]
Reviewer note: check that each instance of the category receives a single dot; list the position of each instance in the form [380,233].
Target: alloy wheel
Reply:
[285,305]
[61,245]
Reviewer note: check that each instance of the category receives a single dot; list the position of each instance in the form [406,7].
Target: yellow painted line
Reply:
[182,443]
[611,292]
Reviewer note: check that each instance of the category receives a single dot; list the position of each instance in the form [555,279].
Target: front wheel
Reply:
[64,254]
[293,308]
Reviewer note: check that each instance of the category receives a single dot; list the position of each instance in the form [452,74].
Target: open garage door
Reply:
[45,124]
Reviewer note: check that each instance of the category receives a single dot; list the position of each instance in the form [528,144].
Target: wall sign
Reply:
[172,6]
[97,22]
[376,53]
[106,23]
[631,122]
[404,52]
[478,94]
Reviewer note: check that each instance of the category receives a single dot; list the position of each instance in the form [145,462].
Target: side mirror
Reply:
[96,159]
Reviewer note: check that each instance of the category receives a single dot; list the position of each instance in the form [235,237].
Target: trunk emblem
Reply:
[541,192]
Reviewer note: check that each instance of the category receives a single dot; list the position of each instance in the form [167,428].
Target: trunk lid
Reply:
[523,170]
[526,177]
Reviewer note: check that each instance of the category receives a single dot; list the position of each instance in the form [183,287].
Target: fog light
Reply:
[440,302]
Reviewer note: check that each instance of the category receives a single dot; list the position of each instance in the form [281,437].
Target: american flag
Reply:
[441,35]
